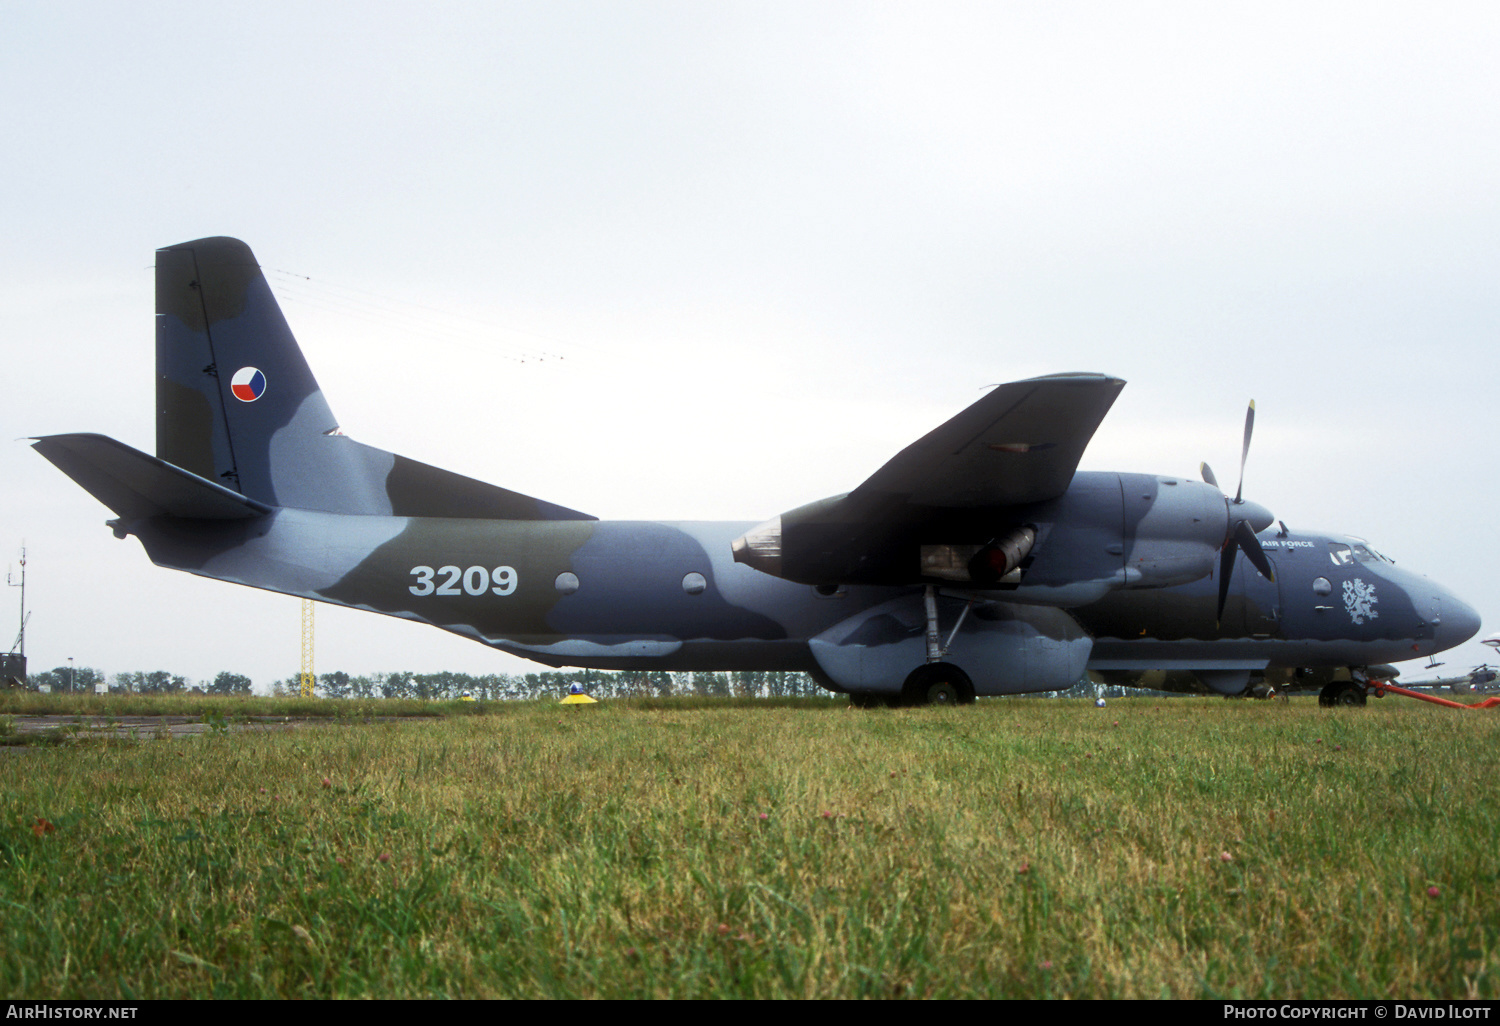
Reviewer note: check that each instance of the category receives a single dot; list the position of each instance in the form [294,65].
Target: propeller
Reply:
[1245,519]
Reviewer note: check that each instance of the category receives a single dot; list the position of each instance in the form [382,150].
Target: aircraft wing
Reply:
[1019,444]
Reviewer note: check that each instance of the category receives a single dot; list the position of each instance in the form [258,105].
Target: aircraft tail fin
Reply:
[237,404]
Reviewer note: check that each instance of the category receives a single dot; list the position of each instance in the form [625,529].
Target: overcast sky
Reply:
[715,260]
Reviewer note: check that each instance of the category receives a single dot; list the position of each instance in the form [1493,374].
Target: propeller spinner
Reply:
[1245,520]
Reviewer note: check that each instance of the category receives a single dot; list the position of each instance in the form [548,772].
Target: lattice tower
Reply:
[307,648]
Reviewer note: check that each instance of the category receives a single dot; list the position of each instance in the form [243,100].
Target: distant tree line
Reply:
[597,684]
[437,686]
[495,687]
[63,679]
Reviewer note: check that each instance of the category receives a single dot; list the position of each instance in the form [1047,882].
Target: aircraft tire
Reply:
[942,692]
[937,684]
[1342,692]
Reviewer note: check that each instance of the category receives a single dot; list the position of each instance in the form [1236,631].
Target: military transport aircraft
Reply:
[978,561]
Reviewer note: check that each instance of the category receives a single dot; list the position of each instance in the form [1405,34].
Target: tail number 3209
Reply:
[476,580]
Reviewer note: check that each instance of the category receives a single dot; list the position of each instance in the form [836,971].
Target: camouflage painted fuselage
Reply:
[629,595]
[979,547]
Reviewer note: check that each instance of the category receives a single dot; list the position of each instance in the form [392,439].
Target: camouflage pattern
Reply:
[977,560]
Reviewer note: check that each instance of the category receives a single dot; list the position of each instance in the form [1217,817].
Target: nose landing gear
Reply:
[1342,692]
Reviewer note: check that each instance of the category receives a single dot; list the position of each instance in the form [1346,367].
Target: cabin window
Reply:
[566,583]
[1322,586]
[694,584]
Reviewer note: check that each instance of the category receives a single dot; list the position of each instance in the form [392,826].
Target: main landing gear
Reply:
[935,682]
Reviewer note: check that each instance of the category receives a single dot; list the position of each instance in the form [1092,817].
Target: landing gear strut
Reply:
[937,682]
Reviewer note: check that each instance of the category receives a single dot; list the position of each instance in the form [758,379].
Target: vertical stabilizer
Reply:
[236,404]
[230,380]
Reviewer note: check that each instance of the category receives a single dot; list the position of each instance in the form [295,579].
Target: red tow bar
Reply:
[1381,689]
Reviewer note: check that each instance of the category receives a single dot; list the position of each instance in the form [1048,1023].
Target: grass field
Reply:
[1185,848]
[229,707]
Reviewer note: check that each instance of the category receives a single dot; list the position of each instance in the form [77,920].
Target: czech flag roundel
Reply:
[248,384]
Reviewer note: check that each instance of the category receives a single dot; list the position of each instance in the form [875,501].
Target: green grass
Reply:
[721,849]
[233,707]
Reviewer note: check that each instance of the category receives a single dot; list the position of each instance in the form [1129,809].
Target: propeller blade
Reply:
[1239,492]
[1244,537]
[1241,539]
[1245,519]
[1226,567]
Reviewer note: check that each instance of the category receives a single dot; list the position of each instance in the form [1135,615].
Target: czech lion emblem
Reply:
[1359,600]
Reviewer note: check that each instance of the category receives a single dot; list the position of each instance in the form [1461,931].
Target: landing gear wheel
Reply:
[942,692]
[937,684]
[1342,692]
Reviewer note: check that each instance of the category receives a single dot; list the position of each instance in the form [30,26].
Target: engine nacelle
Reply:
[1108,531]
[1174,530]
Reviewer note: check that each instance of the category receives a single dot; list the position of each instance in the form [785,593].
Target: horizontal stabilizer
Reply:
[137,486]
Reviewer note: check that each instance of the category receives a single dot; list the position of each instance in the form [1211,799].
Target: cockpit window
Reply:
[1342,554]
[1365,554]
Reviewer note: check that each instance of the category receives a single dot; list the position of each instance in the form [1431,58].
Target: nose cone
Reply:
[1253,513]
[1459,622]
